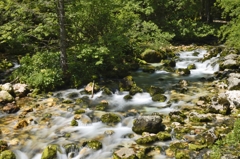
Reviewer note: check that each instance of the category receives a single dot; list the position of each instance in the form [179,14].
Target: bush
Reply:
[41,71]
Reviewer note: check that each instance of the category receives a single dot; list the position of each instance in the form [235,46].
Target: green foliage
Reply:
[42,71]
[229,144]
[230,32]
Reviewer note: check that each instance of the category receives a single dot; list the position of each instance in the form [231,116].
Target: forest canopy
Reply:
[104,38]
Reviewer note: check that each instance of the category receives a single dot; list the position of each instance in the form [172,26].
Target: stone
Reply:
[155,90]
[134,90]
[7,87]
[50,152]
[11,108]
[151,124]
[20,90]
[159,98]
[94,144]
[3,146]
[149,139]
[7,154]
[234,97]
[21,124]
[126,83]
[234,81]
[5,97]
[110,119]
[164,136]
[195,117]
[183,71]
[125,153]
[90,86]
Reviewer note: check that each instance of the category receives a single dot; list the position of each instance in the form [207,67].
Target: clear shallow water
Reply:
[52,132]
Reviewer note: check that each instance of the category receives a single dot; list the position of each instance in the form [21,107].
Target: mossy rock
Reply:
[196,53]
[180,154]
[74,122]
[127,97]
[107,91]
[178,145]
[152,56]
[79,101]
[135,89]
[147,140]
[94,144]
[148,68]
[110,119]
[50,152]
[67,101]
[159,98]
[125,153]
[3,145]
[183,71]
[101,107]
[7,154]
[72,95]
[79,111]
[169,63]
[155,90]
[127,83]
[163,136]
[71,148]
[191,66]
[177,116]
[197,147]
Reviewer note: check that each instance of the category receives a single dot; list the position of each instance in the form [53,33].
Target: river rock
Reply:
[155,90]
[221,107]
[151,124]
[3,145]
[234,81]
[134,90]
[151,56]
[89,88]
[7,87]
[234,98]
[5,97]
[183,71]
[7,154]
[110,119]
[11,108]
[50,152]
[21,124]
[195,117]
[20,90]
[124,153]
[93,144]
[229,62]
[126,83]
[159,98]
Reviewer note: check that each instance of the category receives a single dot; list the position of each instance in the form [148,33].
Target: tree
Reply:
[63,37]
[230,33]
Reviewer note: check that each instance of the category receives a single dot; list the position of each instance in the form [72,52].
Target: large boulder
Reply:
[7,87]
[126,83]
[151,124]
[234,98]
[152,56]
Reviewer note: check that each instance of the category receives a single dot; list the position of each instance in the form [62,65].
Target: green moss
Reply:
[147,140]
[72,95]
[3,145]
[78,101]
[71,147]
[7,154]
[94,144]
[127,97]
[191,66]
[110,119]
[182,155]
[135,89]
[159,98]
[163,136]
[79,111]
[155,90]
[102,106]
[197,147]
[67,101]
[74,123]
[50,152]
[178,145]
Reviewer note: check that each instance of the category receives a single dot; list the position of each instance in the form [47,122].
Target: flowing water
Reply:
[35,137]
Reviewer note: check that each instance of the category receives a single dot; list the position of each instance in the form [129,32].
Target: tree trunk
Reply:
[63,36]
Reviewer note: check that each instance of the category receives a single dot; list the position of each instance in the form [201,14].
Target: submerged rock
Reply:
[3,145]
[159,98]
[151,124]
[11,108]
[183,71]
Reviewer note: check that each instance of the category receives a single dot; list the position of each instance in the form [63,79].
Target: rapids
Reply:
[35,138]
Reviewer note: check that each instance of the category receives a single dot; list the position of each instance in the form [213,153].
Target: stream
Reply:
[35,137]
